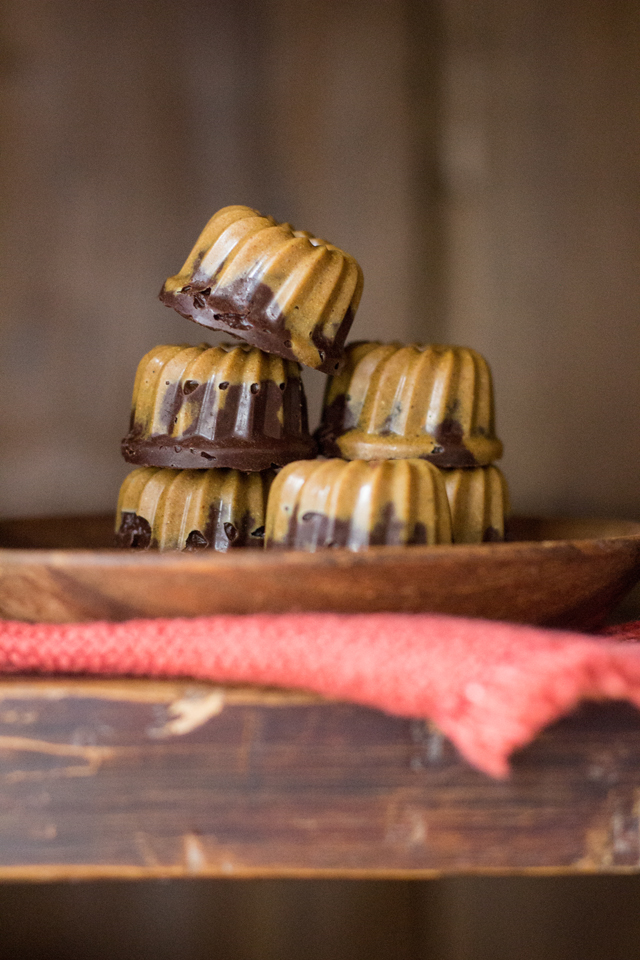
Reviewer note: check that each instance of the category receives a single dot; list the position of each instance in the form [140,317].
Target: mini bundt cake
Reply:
[357,504]
[392,401]
[479,502]
[227,406]
[192,509]
[280,289]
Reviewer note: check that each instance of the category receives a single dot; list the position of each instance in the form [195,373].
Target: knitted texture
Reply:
[489,686]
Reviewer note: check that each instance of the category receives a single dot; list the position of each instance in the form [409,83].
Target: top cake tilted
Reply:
[277,288]
[392,401]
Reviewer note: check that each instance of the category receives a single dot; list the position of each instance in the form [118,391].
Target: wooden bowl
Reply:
[566,573]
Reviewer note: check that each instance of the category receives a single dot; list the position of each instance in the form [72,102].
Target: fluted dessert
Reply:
[392,401]
[357,504]
[277,288]
[227,406]
[479,502]
[189,510]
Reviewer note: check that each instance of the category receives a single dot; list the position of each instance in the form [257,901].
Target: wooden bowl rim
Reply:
[602,541]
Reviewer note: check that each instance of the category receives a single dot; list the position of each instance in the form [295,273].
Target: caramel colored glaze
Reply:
[357,504]
[392,401]
[479,502]
[192,509]
[277,288]
[227,406]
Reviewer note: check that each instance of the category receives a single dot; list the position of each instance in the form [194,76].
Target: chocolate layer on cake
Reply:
[277,288]
[226,406]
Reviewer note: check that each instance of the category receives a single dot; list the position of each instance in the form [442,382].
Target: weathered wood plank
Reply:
[129,779]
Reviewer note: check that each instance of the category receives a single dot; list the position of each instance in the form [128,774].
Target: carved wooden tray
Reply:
[555,572]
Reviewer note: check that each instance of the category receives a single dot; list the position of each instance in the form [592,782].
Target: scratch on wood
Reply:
[409,831]
[428,744]
[94,756]
[250,738]
[599,854]
[625,828]
[189,712]
[406,824]
[616,840]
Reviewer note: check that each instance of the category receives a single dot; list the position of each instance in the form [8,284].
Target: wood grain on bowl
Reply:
[566,573]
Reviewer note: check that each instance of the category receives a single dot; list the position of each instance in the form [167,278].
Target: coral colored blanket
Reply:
[489,686]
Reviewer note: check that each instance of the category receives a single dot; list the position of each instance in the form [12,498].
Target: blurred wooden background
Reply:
[479,158]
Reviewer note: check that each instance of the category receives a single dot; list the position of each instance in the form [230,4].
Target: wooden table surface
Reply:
[132,779]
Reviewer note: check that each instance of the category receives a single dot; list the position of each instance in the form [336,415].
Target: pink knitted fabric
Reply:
[489,686]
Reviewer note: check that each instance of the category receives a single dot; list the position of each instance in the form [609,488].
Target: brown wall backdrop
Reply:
[479,158]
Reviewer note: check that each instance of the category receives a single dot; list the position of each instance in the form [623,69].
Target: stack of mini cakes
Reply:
[415,425]
[407,438]
[210,425]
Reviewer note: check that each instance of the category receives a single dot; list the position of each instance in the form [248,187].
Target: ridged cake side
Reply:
[228,406]
[192,509]
[392,401]
[357,504]
[479,501]
[280,289]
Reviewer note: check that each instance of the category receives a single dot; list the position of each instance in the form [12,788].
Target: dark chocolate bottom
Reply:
[451,458]
[316,531]
[266,341]
[249,321]
[197,453]
[135,534]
